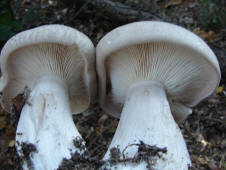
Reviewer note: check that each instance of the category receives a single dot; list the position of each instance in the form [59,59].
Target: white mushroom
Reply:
[147,70]
[56,63]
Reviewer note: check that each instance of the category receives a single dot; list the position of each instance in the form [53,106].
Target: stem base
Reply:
[46,123]
[146,117]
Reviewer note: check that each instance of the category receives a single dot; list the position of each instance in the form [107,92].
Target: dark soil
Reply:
[26,151]
[204,130]
[145,152]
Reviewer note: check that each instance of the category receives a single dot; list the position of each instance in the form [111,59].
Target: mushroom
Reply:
[147,70]
[56,64]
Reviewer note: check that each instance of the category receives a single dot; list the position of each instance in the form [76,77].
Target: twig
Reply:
[82,8]
[215,120]
[121,12]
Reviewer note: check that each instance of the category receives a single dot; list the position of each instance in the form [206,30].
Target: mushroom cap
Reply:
[159,51]
[49,51]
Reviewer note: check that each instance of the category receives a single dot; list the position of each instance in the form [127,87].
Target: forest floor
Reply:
[204,130]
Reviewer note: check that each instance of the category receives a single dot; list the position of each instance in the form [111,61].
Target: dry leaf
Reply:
[99,130]
[102,119]
[220,89]
[172,3]
[115,123]
[100,35]
[201,160]
[210,35]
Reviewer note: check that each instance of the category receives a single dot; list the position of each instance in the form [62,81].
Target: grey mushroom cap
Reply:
[54,51]
[159,51]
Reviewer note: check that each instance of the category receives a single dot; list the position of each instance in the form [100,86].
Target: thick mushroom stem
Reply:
[146,117]
[46,123]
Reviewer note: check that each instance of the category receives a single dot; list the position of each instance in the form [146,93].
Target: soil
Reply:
[204,130]
[26,151]
[145,152]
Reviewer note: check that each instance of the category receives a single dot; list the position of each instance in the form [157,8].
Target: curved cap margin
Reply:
[53,33]
[153,31]
[142,32]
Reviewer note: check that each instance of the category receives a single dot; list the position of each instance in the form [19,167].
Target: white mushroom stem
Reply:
[46,122]
[146,117]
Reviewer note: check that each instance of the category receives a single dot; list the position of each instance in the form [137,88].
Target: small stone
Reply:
[2,122]
[188,20]
[11,143]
